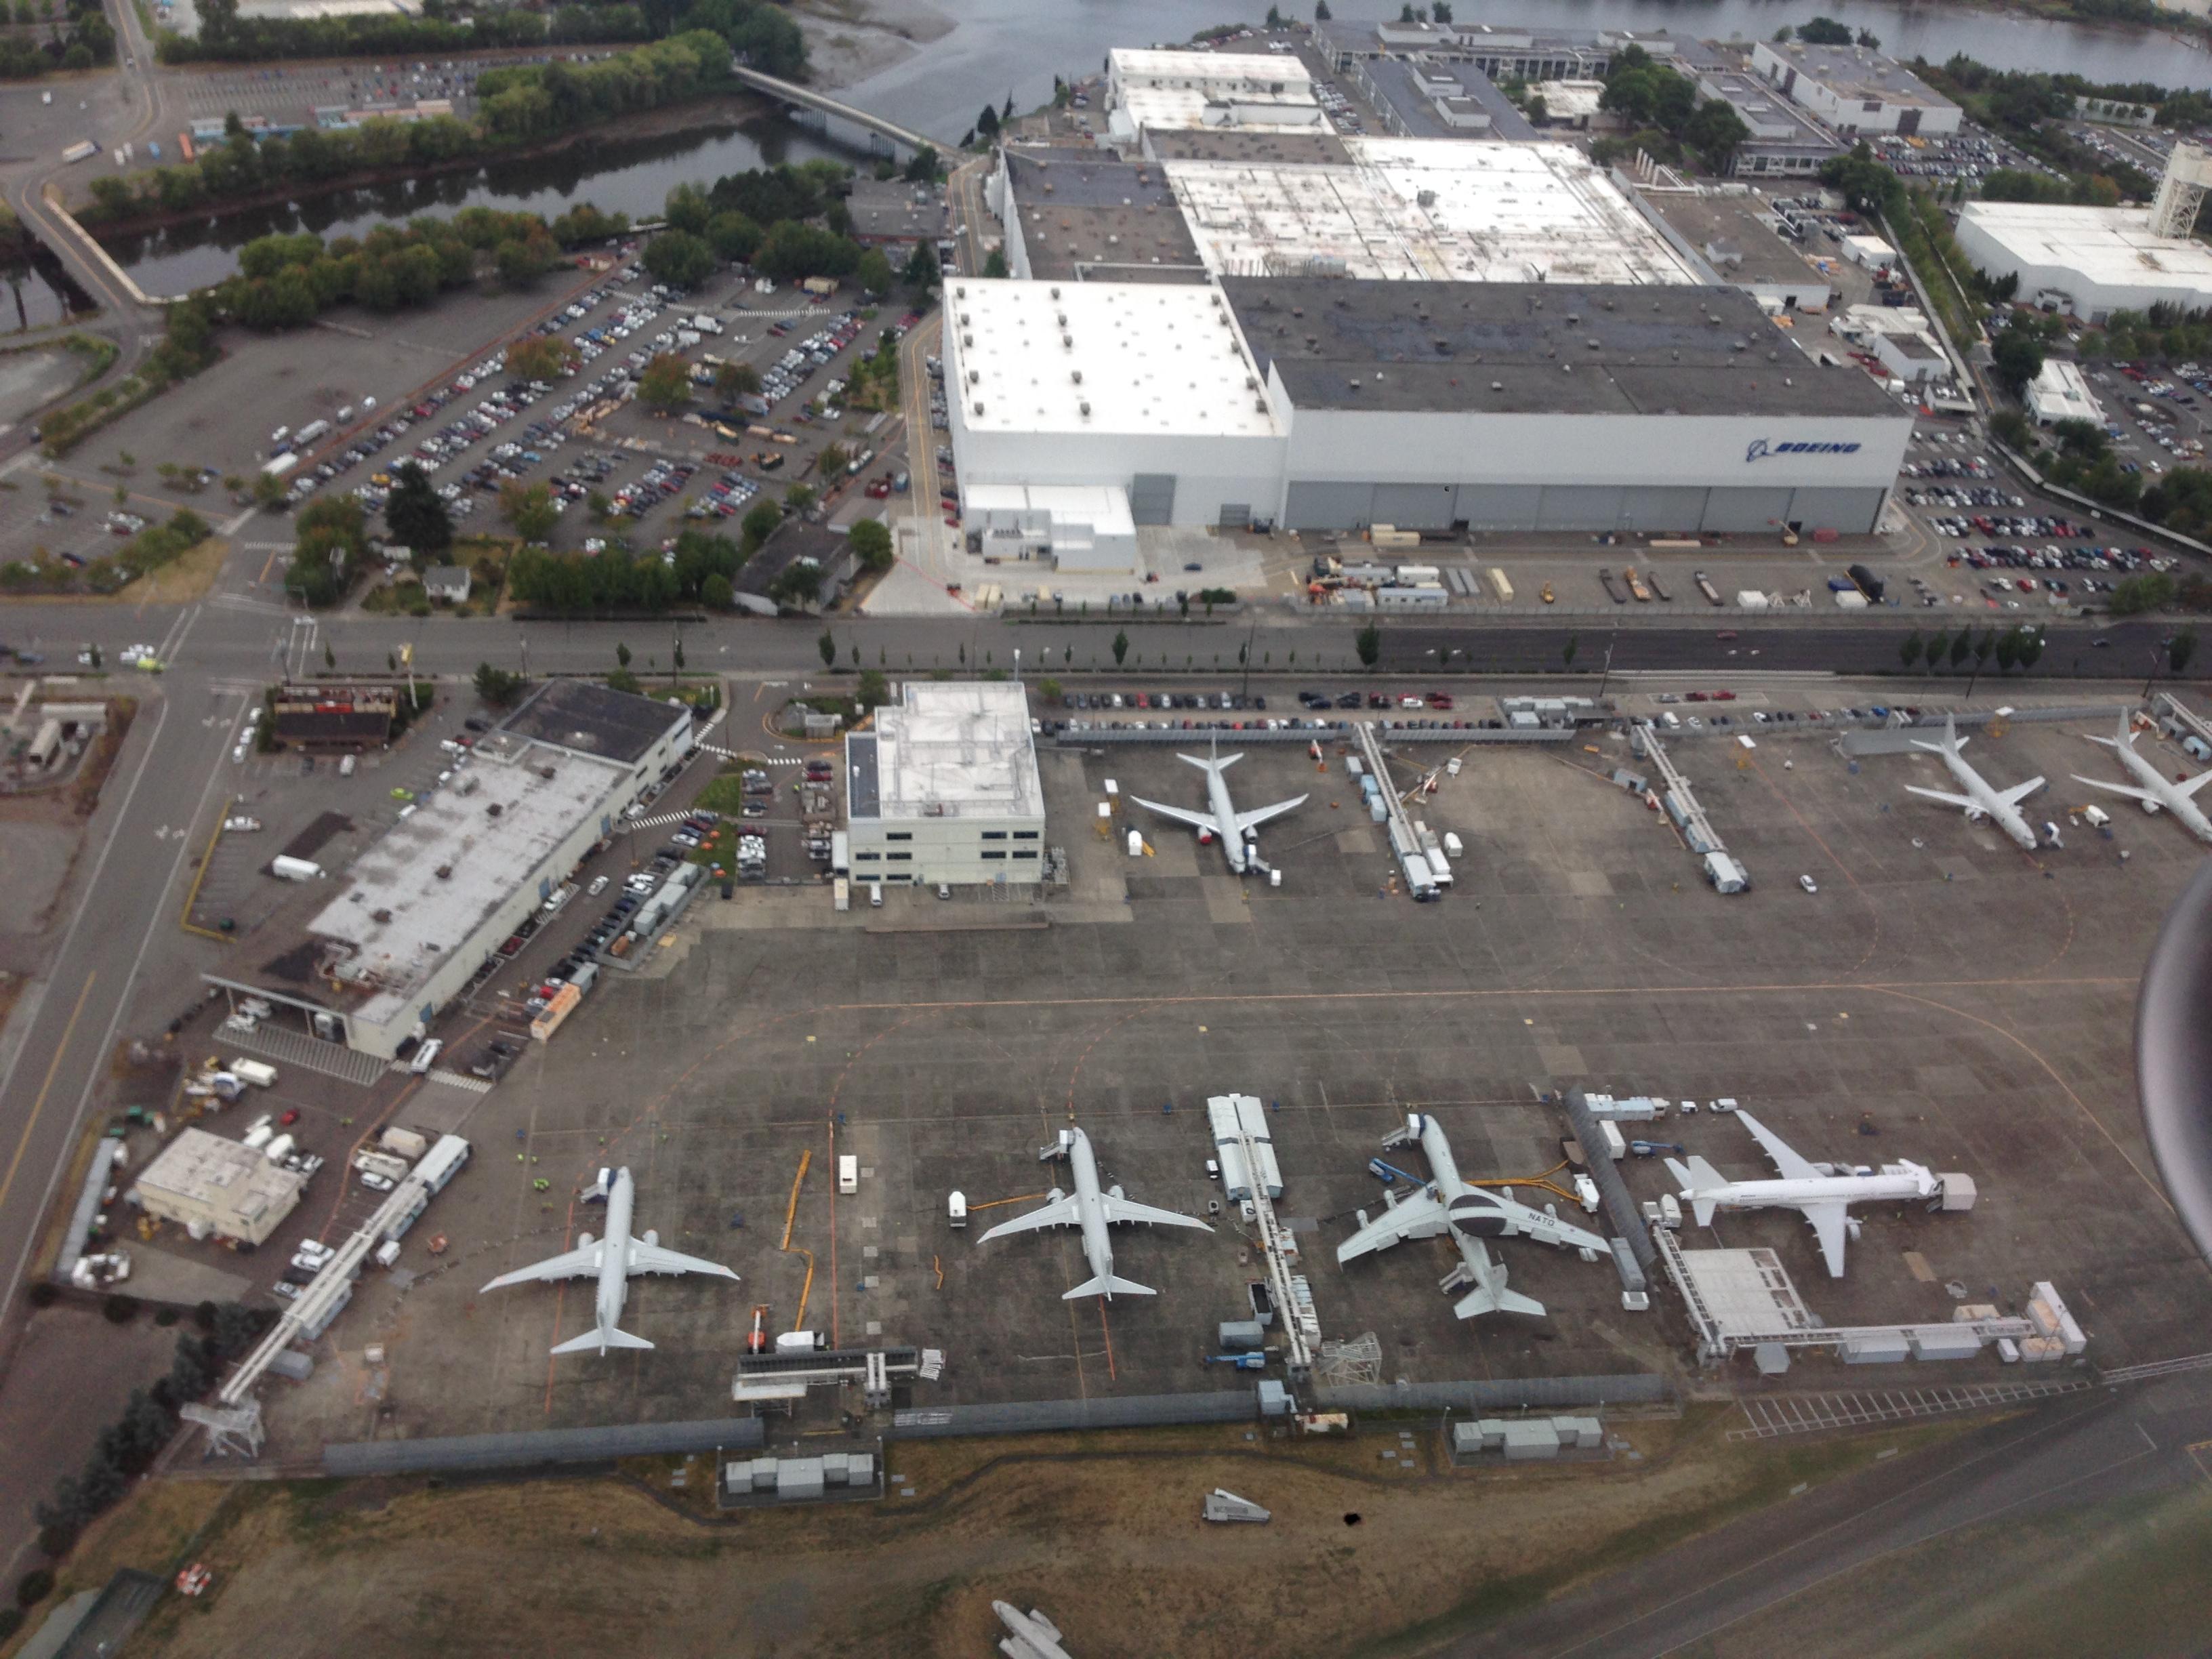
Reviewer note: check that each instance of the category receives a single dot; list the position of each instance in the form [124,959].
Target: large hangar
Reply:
[1323,403]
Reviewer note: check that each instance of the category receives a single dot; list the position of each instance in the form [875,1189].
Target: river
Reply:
[1000,48]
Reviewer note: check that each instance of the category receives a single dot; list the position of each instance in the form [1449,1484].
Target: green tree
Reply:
[268,491]
[1369,644]
[923,166]
[2031,647]
[665,383]
[679,258]
[717,593]
[1322,13]
[1938,643]
[737,380]
[1121,646]
[415,514]
[1567,651]
[873,273]
[921,272]
[760,523]
[529,509]
[870,542]
[2148,590]
[2178,651]
[497,686]
[994,265]
[1909,652]
[622,655]
[2006,650]
[827,646]
[1824,32]
[2016,355]
[1962,647]
[540,357]
[874,690]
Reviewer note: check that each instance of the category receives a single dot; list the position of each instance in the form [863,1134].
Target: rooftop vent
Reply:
[979,406]
[1055,293]
[1076,376]
[445,872]
[1497,386]
[1085,407]
[380,916]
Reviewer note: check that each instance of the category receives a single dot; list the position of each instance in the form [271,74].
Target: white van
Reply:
[426,1056]
[346,766]
[876,895]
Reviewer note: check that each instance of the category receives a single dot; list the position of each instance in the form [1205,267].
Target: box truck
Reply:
[258,1073]
[849,1174]
[285,867]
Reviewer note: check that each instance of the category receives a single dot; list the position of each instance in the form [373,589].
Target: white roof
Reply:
[1101,508]
[1157,109]
[1438,210]
[2059,393]
[1134,64]
[2110,245]
[1569,97]
[1153,357]
[952,749]
[225,1175]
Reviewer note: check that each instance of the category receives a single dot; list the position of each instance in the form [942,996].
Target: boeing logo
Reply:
[1759,449]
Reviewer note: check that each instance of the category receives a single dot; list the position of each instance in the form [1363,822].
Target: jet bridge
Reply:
[1722,870]
[1405,841]
[1240,1129]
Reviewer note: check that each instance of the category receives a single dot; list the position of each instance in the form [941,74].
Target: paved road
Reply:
[2099,1454]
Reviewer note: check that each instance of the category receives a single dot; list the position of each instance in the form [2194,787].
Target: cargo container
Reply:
[849,1174]
[558,1010]
[84,151]
[1616,1144]
[1706,586]
[368,1161]
[281,465]
[279,1149]
[259,1073]
[1499,586]
[285,867]
[801,1341]
[404,1142]
[309,433]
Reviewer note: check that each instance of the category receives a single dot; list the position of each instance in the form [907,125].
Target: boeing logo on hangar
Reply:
[1759,449]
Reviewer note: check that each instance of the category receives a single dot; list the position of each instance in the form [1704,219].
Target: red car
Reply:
[291,1116]
[1723,696]
[1698,696]
[1440,700]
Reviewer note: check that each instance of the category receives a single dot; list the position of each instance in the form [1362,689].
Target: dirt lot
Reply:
[1101,1531]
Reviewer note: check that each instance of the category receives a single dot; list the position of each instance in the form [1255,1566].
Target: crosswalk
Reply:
[661,821]
[754,760]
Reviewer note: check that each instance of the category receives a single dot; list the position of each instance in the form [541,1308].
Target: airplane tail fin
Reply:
[602,1340]
[1109,1286]
[1488,1299]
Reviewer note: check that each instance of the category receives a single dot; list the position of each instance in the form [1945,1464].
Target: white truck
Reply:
[259,1073]
[285,867]
[370,1162]
[404,1142]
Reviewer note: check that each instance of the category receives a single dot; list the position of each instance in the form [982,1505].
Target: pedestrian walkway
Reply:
[297,1049]
[1810,1414]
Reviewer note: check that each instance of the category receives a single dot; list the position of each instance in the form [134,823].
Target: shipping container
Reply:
[404,1143]
[849,1174]
[1500,586]
[1616,1144]
[260,1074]
[84,150]
[287,868]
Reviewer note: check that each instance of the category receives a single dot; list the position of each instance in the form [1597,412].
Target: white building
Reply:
[944,787]
[2059,393]
[1149,91]
[1074,526]
[1424,209]
[1855,89]
[2089,261]
[431,900]
[213,1186]
[1898,337]
[1326,404]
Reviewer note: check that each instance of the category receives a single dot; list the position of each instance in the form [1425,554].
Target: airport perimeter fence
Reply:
[1043,1416]
[453,1453]
[1125,736]
[1497,1394]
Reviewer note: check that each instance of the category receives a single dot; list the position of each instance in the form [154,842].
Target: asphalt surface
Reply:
[2097,1452]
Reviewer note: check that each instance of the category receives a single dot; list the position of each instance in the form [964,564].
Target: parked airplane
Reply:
[2152,787]
[1091,1210]
[1033,1635]
[2000,807]
[1822,1191]
[613,1259]
[1469,1214]
[1239,831]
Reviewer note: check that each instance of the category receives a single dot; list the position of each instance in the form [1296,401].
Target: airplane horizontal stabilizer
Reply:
[598,1341]
[2019,792]
[1109,1286]
[1487,1300]
[2193,785]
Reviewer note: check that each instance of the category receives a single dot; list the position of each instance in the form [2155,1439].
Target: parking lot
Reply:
[1952,1004]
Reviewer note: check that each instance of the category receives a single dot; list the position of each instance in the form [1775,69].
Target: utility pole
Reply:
[1606,678]
[2153,675]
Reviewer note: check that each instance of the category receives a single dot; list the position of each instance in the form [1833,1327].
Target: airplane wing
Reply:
[576,1264]
[2019,792]
[1415,1218]
[1254,819]
[1787,1163]
[1062,1215]
[1948,799]
[1181,815]
[1828,1222]
[2127,789]
[651,1259]
[1121,1209]
[2194,784]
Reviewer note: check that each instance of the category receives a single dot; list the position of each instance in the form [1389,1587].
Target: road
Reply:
[1800,1567]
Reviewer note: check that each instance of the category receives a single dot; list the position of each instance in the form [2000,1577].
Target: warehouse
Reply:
[1855,89]
[428,902]
[2089,261]
[216,1187]
[945,789]
[1079,215]
[1149,91]
[1731,234]
[1326,404]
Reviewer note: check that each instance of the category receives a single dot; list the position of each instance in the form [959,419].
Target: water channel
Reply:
[999,48]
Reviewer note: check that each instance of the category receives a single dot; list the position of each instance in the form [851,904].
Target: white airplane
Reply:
[1239,831]
[1091,1210]
[613,1259]
[2000,807]
[1035,1635]
[2152,787]
[1822,1191]
[1469,1214]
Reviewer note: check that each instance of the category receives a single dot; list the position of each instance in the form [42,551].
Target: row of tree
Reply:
[80,39]
[1663,108]
[575,584]
[517,105]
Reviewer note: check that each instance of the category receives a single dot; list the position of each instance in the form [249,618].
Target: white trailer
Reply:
[259,1073]
[285,867]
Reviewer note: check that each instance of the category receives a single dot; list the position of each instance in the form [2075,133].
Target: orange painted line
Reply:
[1107,1331]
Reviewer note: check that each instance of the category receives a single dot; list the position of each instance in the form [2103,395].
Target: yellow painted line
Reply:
[39,1105]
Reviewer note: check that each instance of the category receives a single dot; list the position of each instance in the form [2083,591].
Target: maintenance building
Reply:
[944,787]
[215,1187]
[423,907]
[1855,89]
[2087,261]
[2059,393]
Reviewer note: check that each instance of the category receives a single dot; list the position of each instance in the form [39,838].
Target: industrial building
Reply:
[1855,89]
[215,1188]
[944,787]
[2059,393]
[1081,215]
[1898,337]
[1428,210]
[1149,91]
[1325,405]
[1784,140]
[1731,234]
[891,213]
[421,909]
[1504,52]
[2093,261]
[1429,100]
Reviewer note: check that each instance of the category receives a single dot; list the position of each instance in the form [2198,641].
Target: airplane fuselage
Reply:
[1789,1193]
[1091,1214]
[1224,814]
[614,1253]
[1987,802]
